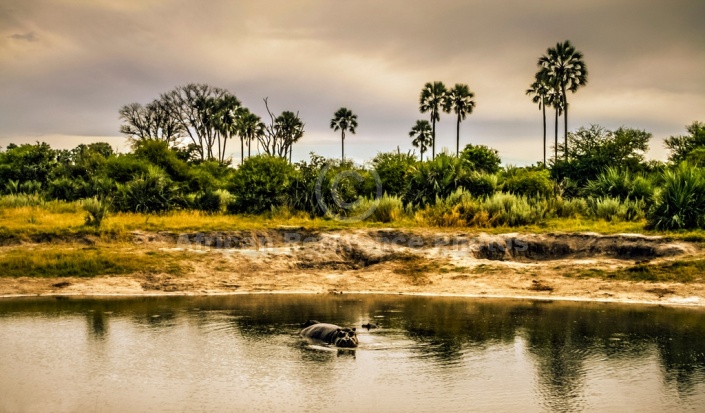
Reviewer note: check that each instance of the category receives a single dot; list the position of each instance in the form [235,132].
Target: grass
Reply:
[48,221]
[80,261]
[684,271]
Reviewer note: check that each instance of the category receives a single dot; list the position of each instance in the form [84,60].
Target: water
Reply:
[242,353]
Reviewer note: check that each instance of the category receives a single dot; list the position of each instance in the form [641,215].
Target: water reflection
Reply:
[200,351]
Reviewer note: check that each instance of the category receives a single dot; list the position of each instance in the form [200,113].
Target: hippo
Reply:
[330,334]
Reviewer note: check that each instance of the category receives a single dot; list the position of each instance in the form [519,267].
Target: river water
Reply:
[243,353]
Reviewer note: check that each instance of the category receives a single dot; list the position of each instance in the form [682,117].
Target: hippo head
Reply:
[345,337]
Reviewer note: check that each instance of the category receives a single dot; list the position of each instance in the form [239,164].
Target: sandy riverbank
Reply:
[549,266]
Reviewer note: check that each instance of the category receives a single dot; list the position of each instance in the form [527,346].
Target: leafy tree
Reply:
[595,149]
[459,99]
[344,121]
[125,167]
[566,69]
[689,147]
[27,162]
[159,154]
[481,158]
[394,170]
[260,183]
[432,99]
[423,136]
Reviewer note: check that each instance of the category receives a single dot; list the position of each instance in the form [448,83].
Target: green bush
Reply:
[96,211]
[528,182]
[65,189]
[680,203]
[124,168]
[481,158]
[260,183]
[394,169]
[385,209]
[152,192]
[480,184]
[436,178]
[621,184]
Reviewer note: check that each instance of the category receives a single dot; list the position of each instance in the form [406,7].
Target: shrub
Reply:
[437,178]
[210,201]
[261,182]
[153,192]
[385,209]
[65,189]
[621,184]
[394,169]
[680,203]
[481,158]
[569,208]
[513,210]
[481,184]
[528,182]
[96,211]
[124,168]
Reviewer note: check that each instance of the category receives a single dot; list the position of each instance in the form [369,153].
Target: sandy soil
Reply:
[390,261]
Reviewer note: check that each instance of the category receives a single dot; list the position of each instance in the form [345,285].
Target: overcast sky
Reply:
[67,66]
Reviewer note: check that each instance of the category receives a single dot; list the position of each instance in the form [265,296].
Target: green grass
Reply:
[88,262]
[55,220]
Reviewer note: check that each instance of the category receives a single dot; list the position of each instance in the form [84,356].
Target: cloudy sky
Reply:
[66,66]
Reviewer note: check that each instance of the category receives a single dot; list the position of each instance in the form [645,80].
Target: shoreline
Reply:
[680,302]
[578,267]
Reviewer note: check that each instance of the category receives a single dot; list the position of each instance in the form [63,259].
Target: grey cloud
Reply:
[95,56]
[27,37]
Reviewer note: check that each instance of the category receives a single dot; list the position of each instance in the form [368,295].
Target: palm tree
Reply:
[226,116]
[554,98]
[432,98]
[539,91]
[250,126]
[566,69]
[459,100]
[422,134]
[291,129]
[344,120]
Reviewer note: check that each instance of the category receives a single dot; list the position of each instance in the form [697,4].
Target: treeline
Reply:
[606,176]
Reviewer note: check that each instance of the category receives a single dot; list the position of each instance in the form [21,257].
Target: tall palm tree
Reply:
[432,98]
[290,129]
[554,99]
[225,118]
[422,134]
[565,67]
[459,100]
[344,120]
[539,91]
[250,126]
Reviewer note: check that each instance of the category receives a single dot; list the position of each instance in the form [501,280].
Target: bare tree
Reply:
[281,134]
[195,106]
[150,122]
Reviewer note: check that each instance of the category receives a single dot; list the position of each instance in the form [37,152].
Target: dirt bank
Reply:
[547,266]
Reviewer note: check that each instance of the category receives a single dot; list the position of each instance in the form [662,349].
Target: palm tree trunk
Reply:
[565,122]
[543,106]
[242,150]
[291,151]
[343,145]
[225,142]
[249,148]
[457,138]
[433,139]
[555,148]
